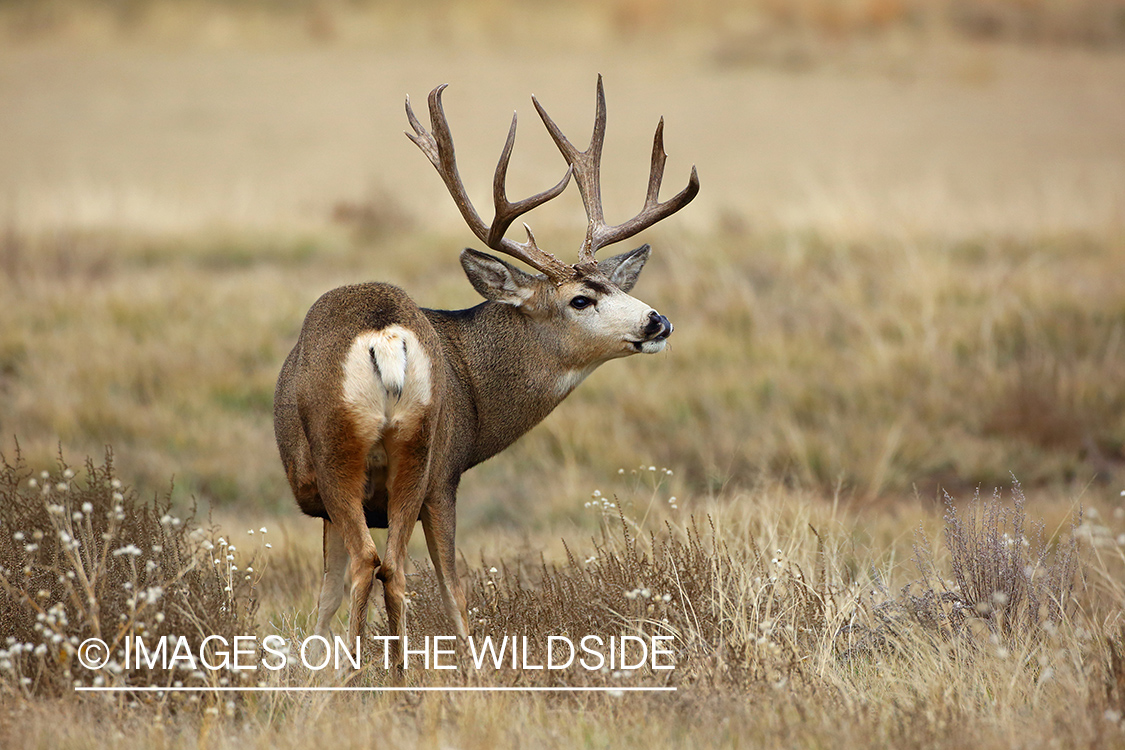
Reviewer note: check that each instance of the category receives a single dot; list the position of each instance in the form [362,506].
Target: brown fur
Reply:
[495,370]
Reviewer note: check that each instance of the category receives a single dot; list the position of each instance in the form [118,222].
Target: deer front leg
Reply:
[439,522]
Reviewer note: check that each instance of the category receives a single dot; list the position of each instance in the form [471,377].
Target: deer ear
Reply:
[495,279]
[624,269]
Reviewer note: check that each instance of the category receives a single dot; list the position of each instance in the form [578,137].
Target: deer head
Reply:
[584,309]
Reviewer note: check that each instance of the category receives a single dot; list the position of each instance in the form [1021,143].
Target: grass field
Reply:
[902,277]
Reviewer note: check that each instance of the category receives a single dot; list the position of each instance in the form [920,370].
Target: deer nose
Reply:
[658,326]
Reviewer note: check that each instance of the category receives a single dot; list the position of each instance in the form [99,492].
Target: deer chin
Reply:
[652,346]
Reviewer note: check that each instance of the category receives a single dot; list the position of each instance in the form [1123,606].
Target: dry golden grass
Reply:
[881,368]
[796,623]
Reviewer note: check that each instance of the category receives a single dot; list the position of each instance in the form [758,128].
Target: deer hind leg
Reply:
[406,486]
[439,521]
[341,476]
[335,583]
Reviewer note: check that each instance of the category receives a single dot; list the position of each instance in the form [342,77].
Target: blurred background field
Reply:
[905,272]
[902,273]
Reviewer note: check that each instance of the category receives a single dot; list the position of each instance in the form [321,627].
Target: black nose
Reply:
[658,326]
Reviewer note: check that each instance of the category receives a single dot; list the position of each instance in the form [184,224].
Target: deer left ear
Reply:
[495,279]
[624,269]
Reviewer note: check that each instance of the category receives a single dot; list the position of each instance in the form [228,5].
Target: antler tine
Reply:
[587,169]
[653,210]
[506,211]
[438,148]
[587,166]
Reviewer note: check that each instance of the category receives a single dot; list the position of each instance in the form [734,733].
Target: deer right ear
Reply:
[497,280]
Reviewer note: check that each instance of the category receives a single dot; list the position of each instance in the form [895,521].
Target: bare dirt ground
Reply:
[939,138]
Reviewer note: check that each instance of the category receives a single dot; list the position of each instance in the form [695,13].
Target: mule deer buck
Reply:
[382,405]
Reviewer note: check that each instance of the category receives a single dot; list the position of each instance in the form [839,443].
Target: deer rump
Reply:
[385,386]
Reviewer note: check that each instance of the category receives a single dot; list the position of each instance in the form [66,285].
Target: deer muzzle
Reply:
[658,327]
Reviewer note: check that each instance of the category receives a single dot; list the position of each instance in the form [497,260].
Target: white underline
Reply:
[350,689]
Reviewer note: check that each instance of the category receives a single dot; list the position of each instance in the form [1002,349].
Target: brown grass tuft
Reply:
[82,557]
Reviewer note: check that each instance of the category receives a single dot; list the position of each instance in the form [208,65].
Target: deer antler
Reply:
[438,147]
[587,173]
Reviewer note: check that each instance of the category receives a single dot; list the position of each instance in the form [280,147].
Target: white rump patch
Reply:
[387,381]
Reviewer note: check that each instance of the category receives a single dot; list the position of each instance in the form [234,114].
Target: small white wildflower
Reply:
[115,484]
[492,570]
[263,529]
[76,515]
[118,497]
[32,483]
[18,536]
[61,487]
[652,468]
[87,507]
[269,546]
[250,532]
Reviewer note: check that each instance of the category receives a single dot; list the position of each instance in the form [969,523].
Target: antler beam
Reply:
[587,173]
[438,147]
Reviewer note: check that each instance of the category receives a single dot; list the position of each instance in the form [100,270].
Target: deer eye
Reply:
[581,302]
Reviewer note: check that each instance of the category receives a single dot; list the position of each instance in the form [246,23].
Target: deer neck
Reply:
[509,368]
